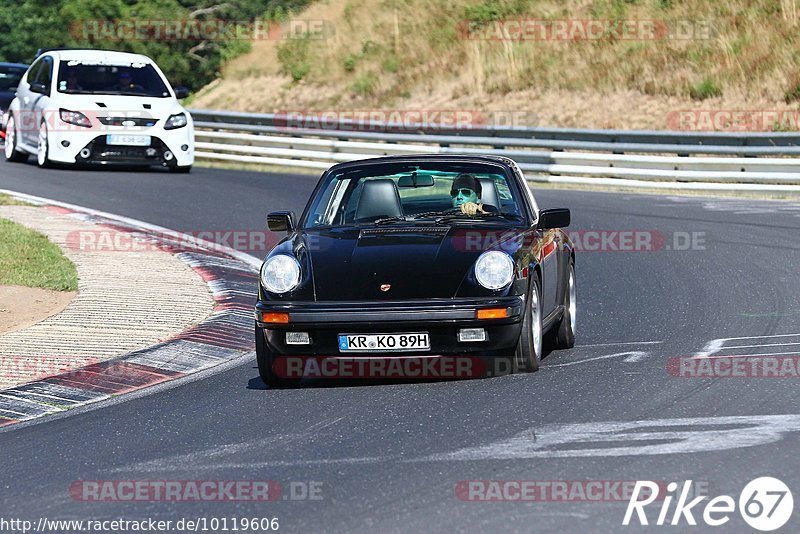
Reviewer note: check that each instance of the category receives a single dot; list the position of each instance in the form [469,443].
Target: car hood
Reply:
[103,105]
[415,262]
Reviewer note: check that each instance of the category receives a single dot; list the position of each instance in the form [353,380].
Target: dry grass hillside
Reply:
[420,55]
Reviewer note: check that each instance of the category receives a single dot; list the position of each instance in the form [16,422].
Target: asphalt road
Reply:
[390,457]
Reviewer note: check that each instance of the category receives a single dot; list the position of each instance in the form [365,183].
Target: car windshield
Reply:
[10,77]
[134,79]
[415,192]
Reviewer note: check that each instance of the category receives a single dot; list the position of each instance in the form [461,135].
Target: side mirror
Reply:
[554,218]
[181,92]
[39,88]
[281,221]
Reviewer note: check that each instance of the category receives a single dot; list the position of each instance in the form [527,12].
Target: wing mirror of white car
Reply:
[181,92]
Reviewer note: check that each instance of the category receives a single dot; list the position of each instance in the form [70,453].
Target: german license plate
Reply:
[384,342]
[128,140]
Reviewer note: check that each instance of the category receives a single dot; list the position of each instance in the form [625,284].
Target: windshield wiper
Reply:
[385,220]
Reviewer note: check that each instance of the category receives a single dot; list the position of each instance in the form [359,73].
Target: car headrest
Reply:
[489,193]
[379,198]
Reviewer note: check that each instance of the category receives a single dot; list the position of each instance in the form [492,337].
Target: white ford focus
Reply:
[99,107]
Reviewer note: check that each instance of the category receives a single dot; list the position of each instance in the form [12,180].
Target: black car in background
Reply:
[10,75]
[381,265]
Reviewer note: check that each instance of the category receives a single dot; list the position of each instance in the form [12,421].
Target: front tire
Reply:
[529,347]
[266,362]
[11,151]
[181,169]
[43,151]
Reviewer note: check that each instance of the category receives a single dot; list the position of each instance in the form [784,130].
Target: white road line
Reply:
[764,345]
[632,357]
[622,343]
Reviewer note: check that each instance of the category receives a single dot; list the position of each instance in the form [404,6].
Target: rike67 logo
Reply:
[765,504]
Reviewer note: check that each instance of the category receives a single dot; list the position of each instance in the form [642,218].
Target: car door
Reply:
[40,97]
[27,126]
[545,249]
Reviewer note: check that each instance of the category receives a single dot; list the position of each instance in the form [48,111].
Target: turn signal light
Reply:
[275,318]
[492,313]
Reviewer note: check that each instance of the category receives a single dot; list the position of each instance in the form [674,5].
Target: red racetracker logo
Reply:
[28,367]
[735,367]
[83,120]
[108,240]
[584,240]
[175,490]
[729,120]
[548,490]
[200,30]
[400,120]
[585,30]
[326,367]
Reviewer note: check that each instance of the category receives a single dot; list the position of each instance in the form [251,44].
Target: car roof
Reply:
[100,56]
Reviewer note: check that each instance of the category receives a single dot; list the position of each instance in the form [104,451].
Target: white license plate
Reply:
[384,342]
[128,140]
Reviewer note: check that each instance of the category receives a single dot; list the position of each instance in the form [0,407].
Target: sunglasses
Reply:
[464,191]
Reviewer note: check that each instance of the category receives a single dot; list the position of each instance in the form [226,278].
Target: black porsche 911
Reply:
[418,258]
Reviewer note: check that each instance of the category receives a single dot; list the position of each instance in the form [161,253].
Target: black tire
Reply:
[181,169]
[565,330]
[529,349]
[11,152]
[266,360]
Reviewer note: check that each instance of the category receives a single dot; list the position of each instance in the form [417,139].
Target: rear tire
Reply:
[565,331]
[11,151]
[529,347]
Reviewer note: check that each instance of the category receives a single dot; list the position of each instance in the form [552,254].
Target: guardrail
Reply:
[644,159]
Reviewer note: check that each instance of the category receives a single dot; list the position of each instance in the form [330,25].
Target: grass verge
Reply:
[28,258]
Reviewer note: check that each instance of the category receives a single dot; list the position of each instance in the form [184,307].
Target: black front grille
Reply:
[126,121]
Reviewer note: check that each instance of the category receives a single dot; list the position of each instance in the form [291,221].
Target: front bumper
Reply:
[179,142]
[441,318]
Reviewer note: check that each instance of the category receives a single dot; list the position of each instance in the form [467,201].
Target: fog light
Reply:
[65,143]
[471,334]
[85,153]
[298,338]
[167,155]
[184,147]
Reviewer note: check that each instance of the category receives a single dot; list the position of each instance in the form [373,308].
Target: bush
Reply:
[708,88]
[293,57]
[365,85]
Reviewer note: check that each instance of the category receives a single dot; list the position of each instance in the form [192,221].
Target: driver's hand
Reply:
[470,208]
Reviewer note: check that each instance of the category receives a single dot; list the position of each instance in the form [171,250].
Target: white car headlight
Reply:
[175,121]
[494,269]
[280,273]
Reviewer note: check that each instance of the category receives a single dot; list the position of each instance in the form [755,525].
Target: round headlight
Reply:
[494,269]
[280,274]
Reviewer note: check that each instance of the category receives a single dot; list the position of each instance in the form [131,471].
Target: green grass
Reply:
[6,200]
[28,259]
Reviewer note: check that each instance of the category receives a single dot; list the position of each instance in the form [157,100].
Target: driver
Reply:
[466,193]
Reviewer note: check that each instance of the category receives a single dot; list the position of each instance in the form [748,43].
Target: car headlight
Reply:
[74,117]
[175,121]
[494,269]
[280,273]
